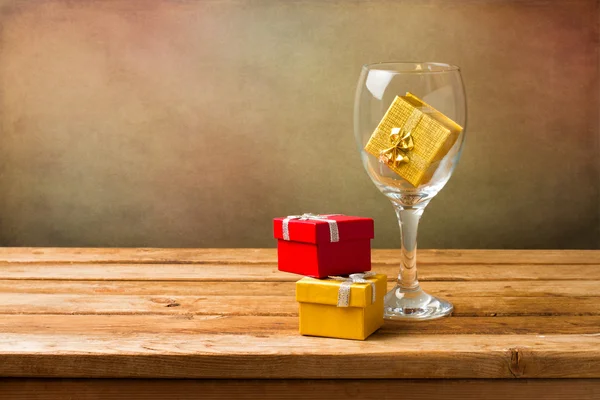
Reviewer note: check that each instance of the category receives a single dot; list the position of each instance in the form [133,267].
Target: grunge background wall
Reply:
[193,123]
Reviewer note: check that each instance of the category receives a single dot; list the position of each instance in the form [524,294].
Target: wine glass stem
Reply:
[408,218]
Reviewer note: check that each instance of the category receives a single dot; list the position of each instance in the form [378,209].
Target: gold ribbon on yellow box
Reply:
[412,138]
[402,142]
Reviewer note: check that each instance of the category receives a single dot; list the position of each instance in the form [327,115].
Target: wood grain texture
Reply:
[448,289]
[277,355]
[123,325]
[232,272]
[262,256]
[27,303]
[145,389]
[204,314]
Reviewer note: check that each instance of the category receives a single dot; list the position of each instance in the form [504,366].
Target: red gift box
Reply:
[323,245]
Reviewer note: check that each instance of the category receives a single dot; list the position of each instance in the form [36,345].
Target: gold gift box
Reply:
[321,316]
[411,137]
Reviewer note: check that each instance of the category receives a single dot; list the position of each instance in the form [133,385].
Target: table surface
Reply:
[228,313]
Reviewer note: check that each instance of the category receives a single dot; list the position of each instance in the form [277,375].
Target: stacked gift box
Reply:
[338,296]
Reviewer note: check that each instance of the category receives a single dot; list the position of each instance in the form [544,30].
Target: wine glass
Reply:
[439,85]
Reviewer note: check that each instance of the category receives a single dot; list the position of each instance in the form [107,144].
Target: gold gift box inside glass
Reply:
[412,137]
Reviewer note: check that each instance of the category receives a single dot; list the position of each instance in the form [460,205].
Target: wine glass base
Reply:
[414,304]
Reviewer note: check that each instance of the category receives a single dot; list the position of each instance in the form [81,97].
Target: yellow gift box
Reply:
[341,307]
[412,138]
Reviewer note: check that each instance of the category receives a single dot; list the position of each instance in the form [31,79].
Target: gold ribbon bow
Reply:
[402,141]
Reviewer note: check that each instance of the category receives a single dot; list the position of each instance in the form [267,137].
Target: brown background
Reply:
[193,123]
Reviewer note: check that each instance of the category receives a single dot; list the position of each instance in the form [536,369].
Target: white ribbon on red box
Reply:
[334,233]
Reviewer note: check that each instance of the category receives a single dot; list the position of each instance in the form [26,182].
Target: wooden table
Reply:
[526,325]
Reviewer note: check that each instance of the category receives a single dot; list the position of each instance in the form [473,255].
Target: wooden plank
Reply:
[146,389]
[23,303]
[208,315]
[269,273]
[498,326]
[262,256]
[27,303]
[231,325]
[211,288]
[508,288]
[276,356]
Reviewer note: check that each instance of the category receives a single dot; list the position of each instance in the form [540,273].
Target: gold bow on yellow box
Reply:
[412,137]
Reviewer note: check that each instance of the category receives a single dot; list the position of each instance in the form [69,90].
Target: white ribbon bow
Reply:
[344,292]
[334,233]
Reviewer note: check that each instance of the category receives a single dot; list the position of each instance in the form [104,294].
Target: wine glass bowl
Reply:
[440,86]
